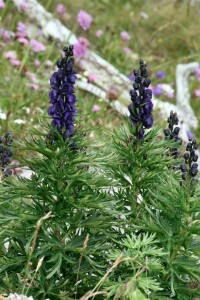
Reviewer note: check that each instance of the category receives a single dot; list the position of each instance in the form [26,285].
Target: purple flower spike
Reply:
[141,97]
[5,153]
[62,95]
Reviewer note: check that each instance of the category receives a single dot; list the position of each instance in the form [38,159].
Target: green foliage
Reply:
[62,215]
[81,213]
[141,260]
[149,187]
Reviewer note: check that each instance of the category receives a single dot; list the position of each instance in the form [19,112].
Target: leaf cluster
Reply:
[90,217]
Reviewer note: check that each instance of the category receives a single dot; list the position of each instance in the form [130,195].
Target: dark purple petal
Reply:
[53,94]
[71,98]
[53,81]
[149,122]
[140,134]
[51,111]
[148,92]
[71,78]
[148,107]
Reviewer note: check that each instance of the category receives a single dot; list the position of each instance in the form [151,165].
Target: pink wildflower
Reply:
[125,36]
[23,40]
[99,33]
[23,5]
[37,46]
[92,77]
[48,63]
[198,74]
[96,108]
[21,30]
[144,15]
[197,93]
[79,50]
[61,10]
[6,35]
[127,50]
[31,75]
[83,41]
[33,86]
[10,55]
[169,95]
[36,63]
[2,4]
[15,62]
[84,19]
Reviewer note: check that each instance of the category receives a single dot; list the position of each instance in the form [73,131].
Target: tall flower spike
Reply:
[141,97]
[62,95]
[171,133]
[190,168]
[5,152]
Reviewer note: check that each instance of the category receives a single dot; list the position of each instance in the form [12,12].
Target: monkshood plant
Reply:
[158,202]
[116,222]
[56,225]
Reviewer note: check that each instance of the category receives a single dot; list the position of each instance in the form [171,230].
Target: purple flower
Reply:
[169,95]
[23,5]
[125,36]
[5,152]
[36,63]
[15,62]
[144,15]
[158,89]
[127,50]
[85,42]
[60,8]
[92,77]
[189,169]
[10,54]
[2,4]
[160,74]
[131,77]
[172,133]
[141,107]
[37,46]
[198,74]
[62,95]
[96,108]
[6,35]
[80,50]
[190,135]
[48,63]
[99,33]
[23,40]
[197,93]
[84,19]
[21,30]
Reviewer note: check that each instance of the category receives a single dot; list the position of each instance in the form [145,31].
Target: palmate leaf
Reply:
[148,284]
[136,242]
[137,294]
